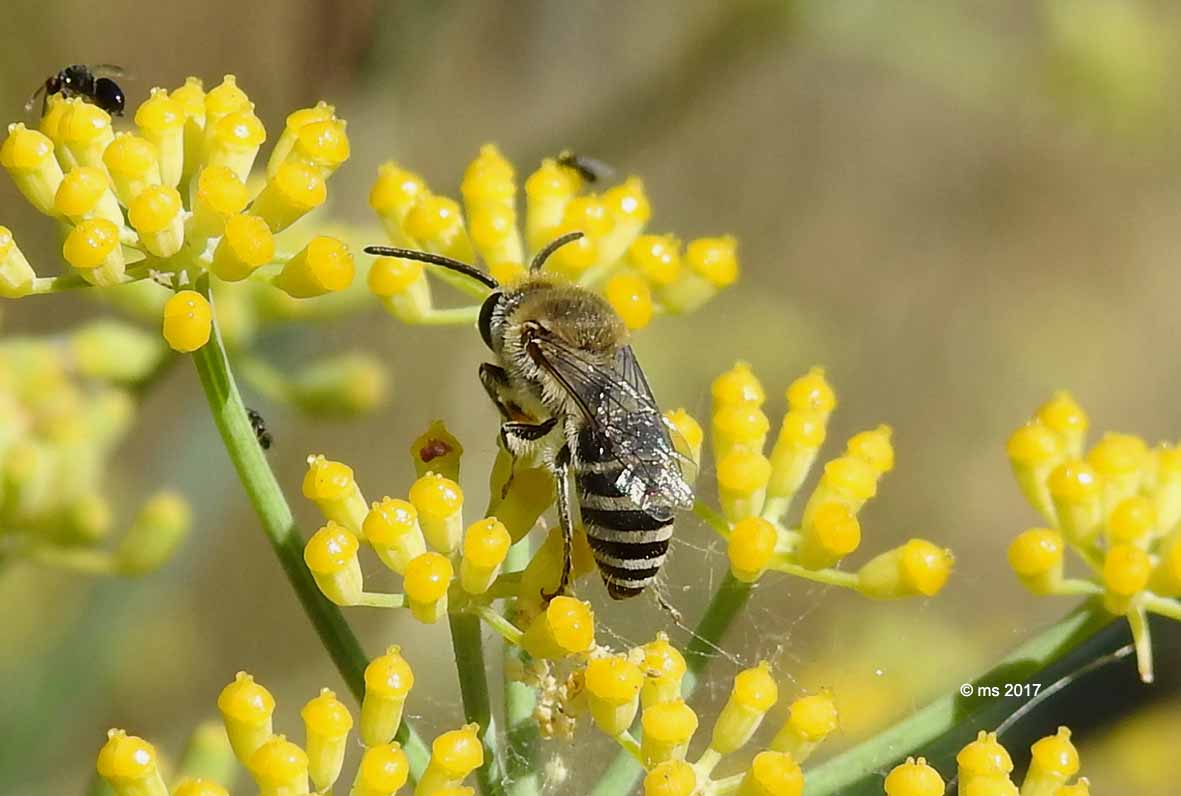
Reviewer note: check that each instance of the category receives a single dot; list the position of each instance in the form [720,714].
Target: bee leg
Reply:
[515,437]
[565,517]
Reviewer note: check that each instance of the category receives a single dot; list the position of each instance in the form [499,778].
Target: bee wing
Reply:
[108,70]
[618,405]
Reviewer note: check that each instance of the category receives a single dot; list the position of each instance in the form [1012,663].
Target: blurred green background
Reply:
[957,207]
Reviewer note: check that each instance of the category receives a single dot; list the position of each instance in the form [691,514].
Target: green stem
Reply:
[520,700]
[225,404]
[940,729]
[468,643]
[729,599]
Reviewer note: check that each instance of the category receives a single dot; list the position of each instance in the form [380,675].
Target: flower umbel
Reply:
[1116,505]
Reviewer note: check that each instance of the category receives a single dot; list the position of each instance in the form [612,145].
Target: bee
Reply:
[91,83]
[569,389]
[260,429]
[590,169]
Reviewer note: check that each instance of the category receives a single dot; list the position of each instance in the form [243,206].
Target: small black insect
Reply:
[260,429]
[590,169]
[91,83]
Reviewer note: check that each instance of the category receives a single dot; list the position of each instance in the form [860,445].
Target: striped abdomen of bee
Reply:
[629,543]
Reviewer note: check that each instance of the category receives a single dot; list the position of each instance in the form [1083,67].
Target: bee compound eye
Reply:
[487,310]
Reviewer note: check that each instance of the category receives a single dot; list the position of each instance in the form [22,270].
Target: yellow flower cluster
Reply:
[756,489]
[984,768]
[445,563]
[65,404]
[640,275]
[281,767]
[1117,505]
[174,199]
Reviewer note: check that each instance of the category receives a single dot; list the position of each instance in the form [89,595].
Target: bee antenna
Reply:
[435,259]
[554,245]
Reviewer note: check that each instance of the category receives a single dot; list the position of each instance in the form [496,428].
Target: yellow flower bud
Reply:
[687,438]
[664,668]
[741,425]
[383,770]
[293,191]
[50,123]
[233,141]
[796,446]
[668,727]
[670,778]
[565,627]
[454,755]
[830,534]
[1062,415]
[218,196]
[191,99]
[247,245]
[914,778]
[130,765]
[402,287]
[754,693]
[85,192]
[1075,489]
[188,321]
[613,686]
[983,758]
[576,257]
[485,546]
[874,448]
[158,217]
[131,162]
[917,568]
[1034,451]
[848,481]
[1036,556]
[327,723]
[1054,761]
[628,206]
[296,121]
[436,450]
[1120,461]
[1132,521]
[811,719]
[16,275]
[388,680]
[742,483]
[93,248]
[331,486]
[437,224]
[812,392]
[391,526]
[158,530]
[393,194]
[529,494]
[495,233]
[712,265]
[85,131]
[331,556]
[426,581]
[547,190]
[27,156]
[439,502]
[246,708]
[1166,578]
[772,774]
[658,259]
[488,181]
[544,571]
[322,144]
[323,266]
[737,386]
[161,121]
[225,98]
[631,299]
[751,548]
[1126,570]
[279,768]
